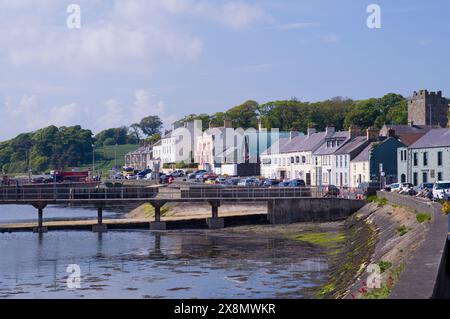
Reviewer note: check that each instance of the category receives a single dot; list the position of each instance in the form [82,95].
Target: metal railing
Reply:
[69,194]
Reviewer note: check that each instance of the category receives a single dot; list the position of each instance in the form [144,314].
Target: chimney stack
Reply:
[373,134]
[294,133]
[354,131]
[311,130]
[330,130]
[227,123]
[391,132]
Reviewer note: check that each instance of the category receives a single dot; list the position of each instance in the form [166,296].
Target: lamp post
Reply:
[115,157]
[93,161]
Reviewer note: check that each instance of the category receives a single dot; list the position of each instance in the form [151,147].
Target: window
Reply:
[403,178]
[439,156]
[297,159]
[424,177]
[303,159]
[401,156]
[425,159]
[293,160]
[439,176]
[415,161]
[415,179]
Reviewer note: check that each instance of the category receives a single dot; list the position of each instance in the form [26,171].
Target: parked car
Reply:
[221,181]
[270,182]
[283,184]
[297,183]
[248,182]
[423,186]
[368,188]
[163,178]
[210,181]
[178,173]
[200,176]
[441,190]
[194,174]
[396,187]
[331,191]
[142,174]
[209,175]
[232,181]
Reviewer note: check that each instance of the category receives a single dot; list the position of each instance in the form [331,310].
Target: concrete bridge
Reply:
[285,205]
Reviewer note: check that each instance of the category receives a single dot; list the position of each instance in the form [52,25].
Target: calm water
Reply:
[144,264]
[27,213]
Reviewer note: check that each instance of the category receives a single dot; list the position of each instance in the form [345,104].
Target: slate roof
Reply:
[324,150]
[304,143]
[279,144]
[352,145]
[409,134]
[363,156]
[434,138]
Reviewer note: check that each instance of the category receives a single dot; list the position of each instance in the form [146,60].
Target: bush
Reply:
[402,230]
[384,265]
[446,208]
[423,217]
[375,199]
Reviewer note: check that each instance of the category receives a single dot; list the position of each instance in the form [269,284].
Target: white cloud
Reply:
[233,14]
[294,26]
[129,35]
[29,114]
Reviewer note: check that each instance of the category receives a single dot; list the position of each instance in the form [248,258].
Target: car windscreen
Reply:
[442,185]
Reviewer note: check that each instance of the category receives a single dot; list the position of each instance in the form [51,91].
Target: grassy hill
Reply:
[105,157]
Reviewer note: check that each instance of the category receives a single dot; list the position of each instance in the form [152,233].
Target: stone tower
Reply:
[428,108]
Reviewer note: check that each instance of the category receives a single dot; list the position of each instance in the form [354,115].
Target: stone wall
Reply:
[426,274]
[287,211]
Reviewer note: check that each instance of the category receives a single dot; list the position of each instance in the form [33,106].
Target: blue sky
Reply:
[133,58]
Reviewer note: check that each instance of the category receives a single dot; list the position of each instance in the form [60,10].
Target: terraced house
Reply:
[427,160]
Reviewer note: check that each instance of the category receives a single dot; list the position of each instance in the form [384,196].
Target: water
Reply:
[28,214]
[144,264]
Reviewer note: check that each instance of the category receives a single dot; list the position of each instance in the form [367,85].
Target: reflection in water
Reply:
[142,264]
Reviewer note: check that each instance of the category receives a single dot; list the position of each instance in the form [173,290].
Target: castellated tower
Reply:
[428,108]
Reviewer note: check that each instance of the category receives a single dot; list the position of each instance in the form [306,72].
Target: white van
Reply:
[441,190]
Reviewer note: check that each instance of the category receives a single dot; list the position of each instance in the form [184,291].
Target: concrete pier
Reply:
[158,224]
[40,228]
[99,227]
[215,222]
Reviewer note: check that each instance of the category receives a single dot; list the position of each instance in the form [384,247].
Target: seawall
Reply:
[425,274]
[287,211]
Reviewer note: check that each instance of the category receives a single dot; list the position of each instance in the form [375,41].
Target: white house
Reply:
[324,161]
[427,160]
[178,144]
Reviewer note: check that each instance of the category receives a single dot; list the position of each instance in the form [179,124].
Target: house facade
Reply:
[427,160]
[324,160]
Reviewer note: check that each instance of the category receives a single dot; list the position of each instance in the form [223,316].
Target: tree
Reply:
[244,115]
[151,125]
[363,114]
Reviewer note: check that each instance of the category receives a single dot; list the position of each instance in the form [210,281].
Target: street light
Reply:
[93,161]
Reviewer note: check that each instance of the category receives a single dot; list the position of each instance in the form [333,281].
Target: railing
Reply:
[66,194]
[37,194]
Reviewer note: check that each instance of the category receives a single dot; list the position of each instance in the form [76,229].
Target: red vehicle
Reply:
[75,177]
[209,175]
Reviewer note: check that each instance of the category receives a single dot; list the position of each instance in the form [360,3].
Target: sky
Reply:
[133,58]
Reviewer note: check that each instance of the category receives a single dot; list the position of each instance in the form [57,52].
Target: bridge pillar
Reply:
[99,227]
[157,224]
[215,222]
[40,228]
